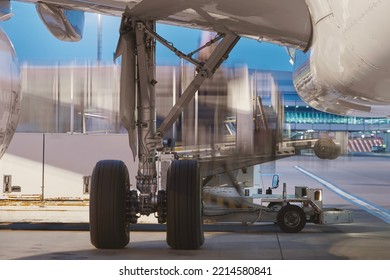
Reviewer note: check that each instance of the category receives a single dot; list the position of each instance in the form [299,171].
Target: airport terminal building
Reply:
[85,99]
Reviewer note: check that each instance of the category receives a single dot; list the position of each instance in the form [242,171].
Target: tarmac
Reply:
[360,184]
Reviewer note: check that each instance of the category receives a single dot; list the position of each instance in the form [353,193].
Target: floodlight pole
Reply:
[99,40]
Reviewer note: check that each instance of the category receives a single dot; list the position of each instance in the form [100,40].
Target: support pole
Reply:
[43,167]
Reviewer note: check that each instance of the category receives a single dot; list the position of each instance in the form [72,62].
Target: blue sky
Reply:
[35,45]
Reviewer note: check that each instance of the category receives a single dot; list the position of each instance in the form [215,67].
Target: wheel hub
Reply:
[292,219]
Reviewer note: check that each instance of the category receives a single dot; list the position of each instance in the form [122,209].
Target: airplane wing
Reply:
[282,22]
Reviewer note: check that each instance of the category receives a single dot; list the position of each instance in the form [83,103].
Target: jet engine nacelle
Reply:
[347,70]
[66,25]
[10,92]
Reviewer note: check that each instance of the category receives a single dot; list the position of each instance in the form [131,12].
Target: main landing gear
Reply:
[113,205]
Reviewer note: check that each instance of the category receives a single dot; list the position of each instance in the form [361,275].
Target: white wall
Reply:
[68,157]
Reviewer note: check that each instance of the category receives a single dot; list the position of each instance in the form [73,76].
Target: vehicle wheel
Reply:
[184,206]
[109,228]
[291,218]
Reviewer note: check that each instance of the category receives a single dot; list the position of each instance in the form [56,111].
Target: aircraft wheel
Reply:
[184,206]
[109,228]
[291,219]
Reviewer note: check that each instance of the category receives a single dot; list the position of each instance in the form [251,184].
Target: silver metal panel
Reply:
[335,216]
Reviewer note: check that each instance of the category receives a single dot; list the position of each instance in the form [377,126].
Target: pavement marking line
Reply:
[371,208]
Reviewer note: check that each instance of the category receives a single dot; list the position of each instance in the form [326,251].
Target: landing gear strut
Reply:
[179,202]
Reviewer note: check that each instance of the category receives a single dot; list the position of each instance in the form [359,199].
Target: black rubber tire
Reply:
[108,226]
[291,218]
[184,206]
